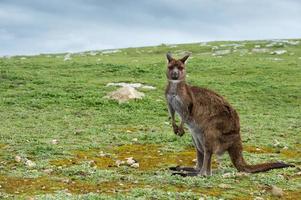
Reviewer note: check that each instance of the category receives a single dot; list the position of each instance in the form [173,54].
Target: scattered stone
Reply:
[101,154]
[124,94]
[276,143]
[54,141]
[234,45]
[130,161]
[18,158]
[242,174]
[135,165]
[135,140]
[110,51]
[66,180]
[221,52]
[119,163]
[224,186]
[194,160]
[279,52]
[48,171]
[227,175]
[30,163]
[285,148]
[67,57]
[276,191]
[262,50]
[92,163]
[134,85]
[281,43]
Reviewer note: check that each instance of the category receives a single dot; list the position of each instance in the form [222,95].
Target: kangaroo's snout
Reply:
[175,74]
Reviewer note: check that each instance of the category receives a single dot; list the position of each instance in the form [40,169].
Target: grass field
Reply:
[60,139]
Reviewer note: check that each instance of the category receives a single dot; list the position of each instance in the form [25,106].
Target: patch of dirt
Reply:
[149,156]
[287,153]
[45,185]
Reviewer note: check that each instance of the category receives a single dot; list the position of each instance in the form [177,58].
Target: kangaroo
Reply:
[213,123]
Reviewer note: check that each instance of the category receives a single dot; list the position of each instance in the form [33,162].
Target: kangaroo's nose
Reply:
[174,75]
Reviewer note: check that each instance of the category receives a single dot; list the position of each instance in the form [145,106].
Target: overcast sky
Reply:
[41,26]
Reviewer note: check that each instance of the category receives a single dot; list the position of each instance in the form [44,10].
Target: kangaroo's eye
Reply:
[170,67]
[180,68]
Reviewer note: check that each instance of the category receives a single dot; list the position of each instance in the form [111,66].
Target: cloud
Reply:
[37,26]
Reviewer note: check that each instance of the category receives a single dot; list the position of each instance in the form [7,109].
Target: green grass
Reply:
[44,98]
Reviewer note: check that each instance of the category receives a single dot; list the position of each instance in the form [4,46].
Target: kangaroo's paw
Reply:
[181,169]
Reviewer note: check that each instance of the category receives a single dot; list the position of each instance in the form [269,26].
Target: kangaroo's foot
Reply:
[185,174]
[184,169]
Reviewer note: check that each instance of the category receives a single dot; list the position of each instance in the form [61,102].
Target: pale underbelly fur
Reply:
[196,132]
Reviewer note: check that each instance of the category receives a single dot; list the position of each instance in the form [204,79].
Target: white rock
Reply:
[119,163]
[124,94]
[148,87]
[224,186]
[279,52]
[241,174]
[110,51]
[276,191]
[214,48]
[134,85]
[130,161]
[48,171]
[276,143]
[101,154]
[227,175]
[234,45]
[67,57]
[18,158]
[54,141]
[135,165]
[135,139]
[30,163]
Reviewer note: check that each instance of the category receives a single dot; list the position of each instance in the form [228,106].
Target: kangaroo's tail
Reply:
[236,156]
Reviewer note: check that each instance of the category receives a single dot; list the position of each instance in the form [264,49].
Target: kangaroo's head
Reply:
[176,68]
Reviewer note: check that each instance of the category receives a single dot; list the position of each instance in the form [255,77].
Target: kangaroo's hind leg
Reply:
[193,171]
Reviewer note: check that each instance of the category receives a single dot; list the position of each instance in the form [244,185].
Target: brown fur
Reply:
[214,122]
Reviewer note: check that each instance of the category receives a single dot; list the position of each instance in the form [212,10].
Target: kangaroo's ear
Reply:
[184,59]
[169,57]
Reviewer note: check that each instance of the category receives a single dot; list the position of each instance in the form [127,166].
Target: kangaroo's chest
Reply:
[176,103]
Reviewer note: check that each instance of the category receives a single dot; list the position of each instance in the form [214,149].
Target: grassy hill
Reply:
[60,139]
